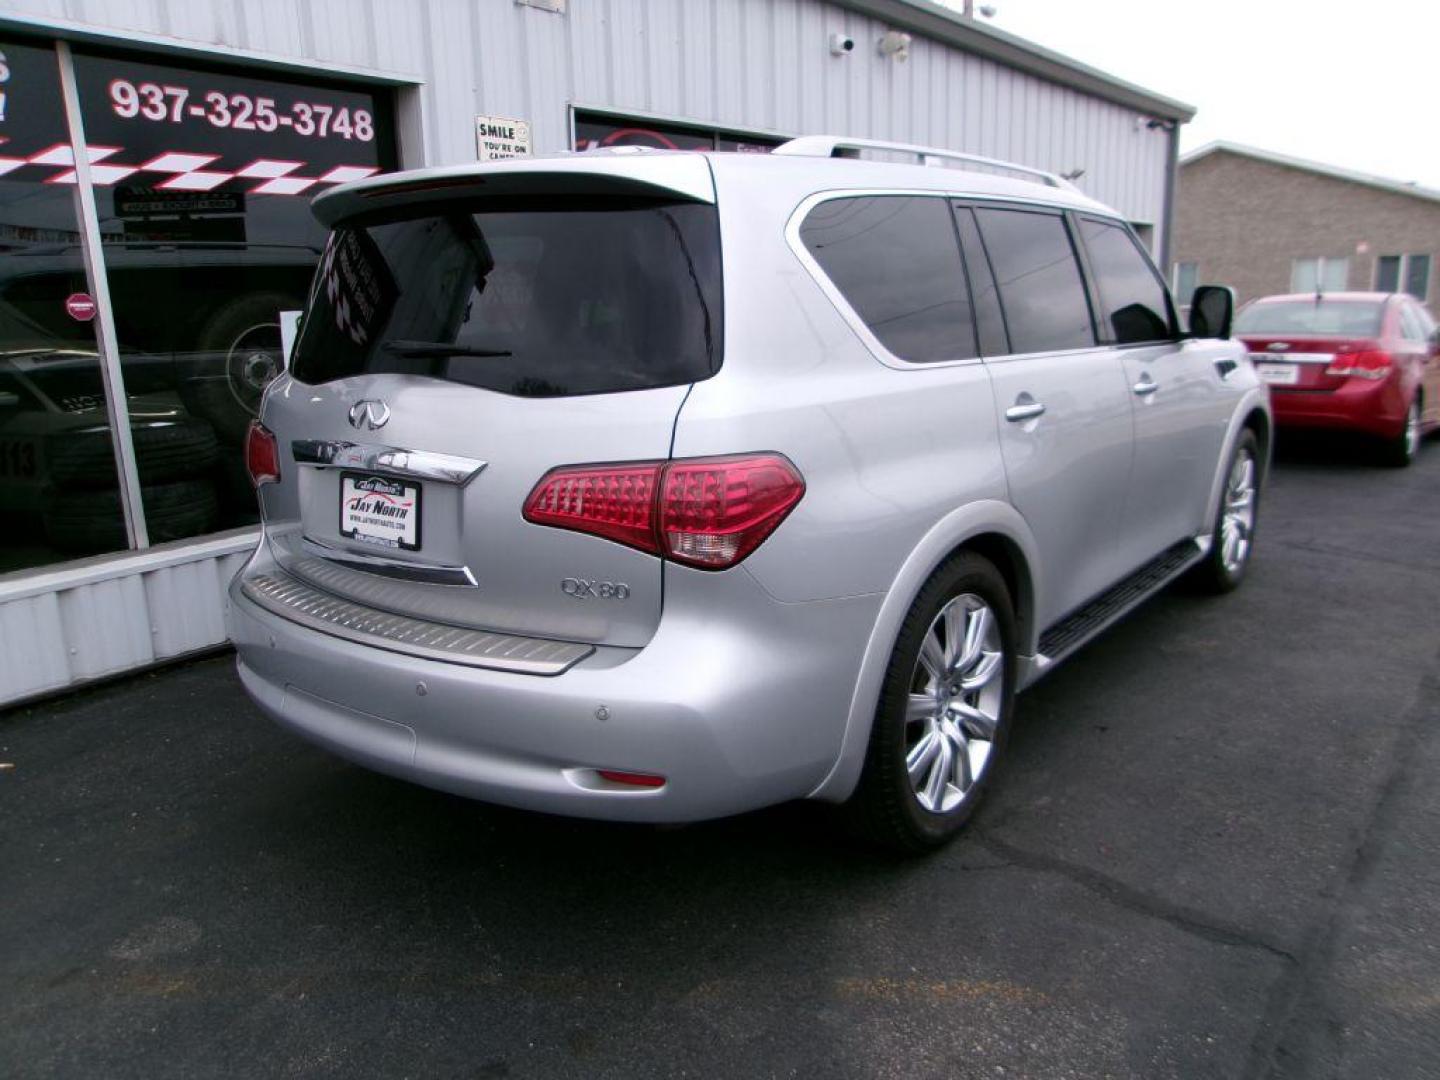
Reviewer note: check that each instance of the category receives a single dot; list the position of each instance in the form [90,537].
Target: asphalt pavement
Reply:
[1215,851]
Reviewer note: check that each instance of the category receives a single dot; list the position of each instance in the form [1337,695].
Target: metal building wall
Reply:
[756,64]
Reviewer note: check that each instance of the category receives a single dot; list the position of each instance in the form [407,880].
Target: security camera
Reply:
[840,44]
[895,44]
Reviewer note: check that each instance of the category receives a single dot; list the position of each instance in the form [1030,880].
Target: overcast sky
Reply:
[1351,84]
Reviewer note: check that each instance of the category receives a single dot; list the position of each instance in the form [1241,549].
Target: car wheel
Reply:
[243,342]
[1233,538]
[944,711]
[1401,450]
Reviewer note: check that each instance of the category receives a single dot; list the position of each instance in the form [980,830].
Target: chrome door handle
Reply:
[1027,411]
[1145,387]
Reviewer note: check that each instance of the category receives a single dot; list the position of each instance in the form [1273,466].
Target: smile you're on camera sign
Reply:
[497,138]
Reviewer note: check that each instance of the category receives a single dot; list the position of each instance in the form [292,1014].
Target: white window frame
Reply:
[1321,262]
[1405,272]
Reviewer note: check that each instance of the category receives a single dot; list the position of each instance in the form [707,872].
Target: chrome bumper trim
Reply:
[282,595]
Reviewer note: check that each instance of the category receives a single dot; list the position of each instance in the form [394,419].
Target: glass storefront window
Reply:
[594,130]
[59,489]
[203,179]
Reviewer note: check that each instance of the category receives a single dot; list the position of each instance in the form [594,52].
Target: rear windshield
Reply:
[1342,318]
[537,298]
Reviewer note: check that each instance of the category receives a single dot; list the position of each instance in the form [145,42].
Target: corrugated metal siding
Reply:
[757,64]
[114,615]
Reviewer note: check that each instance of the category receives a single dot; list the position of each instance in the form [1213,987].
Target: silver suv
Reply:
[660,486]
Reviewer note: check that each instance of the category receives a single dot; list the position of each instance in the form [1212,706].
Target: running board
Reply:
[1075,630]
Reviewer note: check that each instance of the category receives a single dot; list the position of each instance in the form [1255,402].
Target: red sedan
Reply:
[1364,362]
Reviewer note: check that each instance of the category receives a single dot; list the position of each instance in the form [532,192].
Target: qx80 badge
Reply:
[582,589]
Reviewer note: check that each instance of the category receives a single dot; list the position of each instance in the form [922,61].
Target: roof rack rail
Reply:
[827,145]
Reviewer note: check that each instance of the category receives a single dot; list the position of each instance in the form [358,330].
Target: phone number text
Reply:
[238,112]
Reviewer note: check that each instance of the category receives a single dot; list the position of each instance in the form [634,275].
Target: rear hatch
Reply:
[1294,342]
[464,337]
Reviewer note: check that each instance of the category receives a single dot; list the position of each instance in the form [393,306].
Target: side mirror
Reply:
[1212,311]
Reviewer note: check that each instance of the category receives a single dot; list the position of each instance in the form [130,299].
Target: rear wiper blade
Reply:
[438,348]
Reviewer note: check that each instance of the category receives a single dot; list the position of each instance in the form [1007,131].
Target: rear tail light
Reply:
[262,454]
[704,512]
[1360,363]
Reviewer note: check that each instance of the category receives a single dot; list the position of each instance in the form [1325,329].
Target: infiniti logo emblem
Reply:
[369,414]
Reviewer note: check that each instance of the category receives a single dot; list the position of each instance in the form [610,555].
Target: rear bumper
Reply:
[1373,408]
[739,701]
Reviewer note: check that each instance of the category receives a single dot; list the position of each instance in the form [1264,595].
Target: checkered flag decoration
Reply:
[184,171]
[339,302]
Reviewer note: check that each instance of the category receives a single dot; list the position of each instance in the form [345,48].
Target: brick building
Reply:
[1265,223]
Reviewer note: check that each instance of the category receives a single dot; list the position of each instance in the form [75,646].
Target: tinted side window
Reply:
[1131,295]
[896,261]
[1040,285]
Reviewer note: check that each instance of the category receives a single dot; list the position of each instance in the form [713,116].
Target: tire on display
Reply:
[176,450]
[1233,537]
[82,522]
[944,711]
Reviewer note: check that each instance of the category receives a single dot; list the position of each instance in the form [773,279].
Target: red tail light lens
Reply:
[716,511]
[613,501]
[262,454]
[1360,363]
[704,512]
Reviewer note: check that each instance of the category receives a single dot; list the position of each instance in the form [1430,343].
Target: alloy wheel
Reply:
[1238,520]
[953,711]
[1412,429]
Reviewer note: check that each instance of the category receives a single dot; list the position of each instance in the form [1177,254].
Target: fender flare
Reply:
[1256,398]
[948,534]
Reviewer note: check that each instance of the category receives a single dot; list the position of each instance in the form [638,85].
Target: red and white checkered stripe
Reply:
[185,171]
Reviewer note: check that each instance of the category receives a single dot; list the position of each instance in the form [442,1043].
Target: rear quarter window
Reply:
[526,297]
[896,261]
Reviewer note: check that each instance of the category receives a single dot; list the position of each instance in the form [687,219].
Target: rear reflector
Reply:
[1360,363]
[704,512]
[633,779]
[262,454]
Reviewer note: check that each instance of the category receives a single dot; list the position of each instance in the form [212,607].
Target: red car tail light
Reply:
[708,513]
[262,454]
[1360,363]
[716,511]
[613,501]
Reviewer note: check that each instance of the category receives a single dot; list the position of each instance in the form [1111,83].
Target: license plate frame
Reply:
[372,525]
[1277,374]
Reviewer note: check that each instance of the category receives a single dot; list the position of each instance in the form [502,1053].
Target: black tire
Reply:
[1400,451]
[1213,575]
[91,521]
[885,809]
[226,392]
[164,453]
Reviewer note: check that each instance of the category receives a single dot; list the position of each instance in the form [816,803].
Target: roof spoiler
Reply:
[664,174]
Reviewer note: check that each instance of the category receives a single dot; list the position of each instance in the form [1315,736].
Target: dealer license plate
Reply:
[380,510]
[1278,374]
